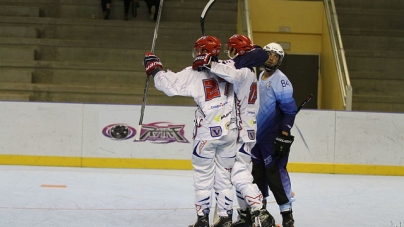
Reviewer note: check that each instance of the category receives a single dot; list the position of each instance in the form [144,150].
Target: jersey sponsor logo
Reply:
[215,131]
[227,125]
[218,105]
[225,115]
[251,112]
[251,134]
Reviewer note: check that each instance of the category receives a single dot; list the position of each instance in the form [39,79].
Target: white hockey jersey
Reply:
[244,81]
[214,96]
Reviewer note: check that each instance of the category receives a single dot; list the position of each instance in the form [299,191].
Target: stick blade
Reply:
[203,15]
[138,131]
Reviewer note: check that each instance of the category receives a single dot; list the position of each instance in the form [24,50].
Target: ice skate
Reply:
[262,218]
[202,221]
[287,219]
[223,221]
[244,218]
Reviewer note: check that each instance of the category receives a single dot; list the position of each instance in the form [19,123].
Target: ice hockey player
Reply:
[214,137]
[275,120]
[238,70]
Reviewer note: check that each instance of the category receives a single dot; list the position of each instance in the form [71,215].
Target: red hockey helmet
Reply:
[238,45]
[210,44]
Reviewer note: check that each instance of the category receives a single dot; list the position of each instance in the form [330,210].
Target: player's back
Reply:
[214,97]
[246,92]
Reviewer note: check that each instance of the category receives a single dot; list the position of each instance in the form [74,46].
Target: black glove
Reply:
[151,62]
[203,61]
[282,145]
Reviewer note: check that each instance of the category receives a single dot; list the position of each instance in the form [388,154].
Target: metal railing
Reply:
[339,54]
[336,43]
[246,19]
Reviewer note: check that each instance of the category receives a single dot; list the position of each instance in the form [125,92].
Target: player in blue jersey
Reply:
[275,119]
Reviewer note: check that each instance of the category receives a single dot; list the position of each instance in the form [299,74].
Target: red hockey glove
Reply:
[151,62]
[203,61]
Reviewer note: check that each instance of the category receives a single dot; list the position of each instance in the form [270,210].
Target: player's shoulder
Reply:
[278,74]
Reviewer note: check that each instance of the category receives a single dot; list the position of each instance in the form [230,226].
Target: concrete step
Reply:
[93,94]
[18,52]
[90,77]
[377,103]
[373,43]
[394,75]
[360,12]
[171,11]
[371,32]
[378,86]
[96,31]
[19,11]
[82,58]
[384,22]
[18,31]
[375,64]
[370,4]
[12,96]
[15,75]
[94,44]
[384,55]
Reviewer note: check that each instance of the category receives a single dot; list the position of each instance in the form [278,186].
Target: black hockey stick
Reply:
[203,15]
[202,20]
[139,128]
[308,98]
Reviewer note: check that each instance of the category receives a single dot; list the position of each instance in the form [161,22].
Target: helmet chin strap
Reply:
[270,68]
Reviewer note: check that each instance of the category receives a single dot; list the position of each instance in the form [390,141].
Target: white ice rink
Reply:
[87,197]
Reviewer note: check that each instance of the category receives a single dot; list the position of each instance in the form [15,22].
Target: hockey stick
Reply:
[139,128]
[202,21]
[203,15]
[308,98]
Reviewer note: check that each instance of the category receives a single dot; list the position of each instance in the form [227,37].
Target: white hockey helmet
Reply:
[277,49]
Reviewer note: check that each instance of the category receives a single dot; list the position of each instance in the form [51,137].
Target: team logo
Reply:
[251,134]
[268,85]
[216,131]
[119,131]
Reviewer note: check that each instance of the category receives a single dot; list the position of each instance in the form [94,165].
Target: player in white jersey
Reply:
[239,72]
[275,119]
[215,131]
